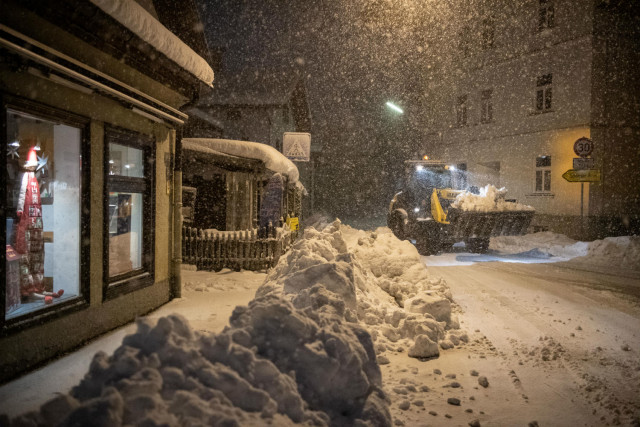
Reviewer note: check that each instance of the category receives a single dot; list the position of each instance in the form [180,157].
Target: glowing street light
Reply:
[394,107]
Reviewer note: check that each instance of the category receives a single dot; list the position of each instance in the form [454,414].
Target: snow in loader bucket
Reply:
[464,224]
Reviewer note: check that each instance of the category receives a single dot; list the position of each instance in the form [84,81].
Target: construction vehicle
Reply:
[422,212]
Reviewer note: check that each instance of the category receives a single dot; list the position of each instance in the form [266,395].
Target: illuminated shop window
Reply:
[43,212]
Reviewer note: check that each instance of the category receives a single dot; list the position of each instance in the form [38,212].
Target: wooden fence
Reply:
[249,250]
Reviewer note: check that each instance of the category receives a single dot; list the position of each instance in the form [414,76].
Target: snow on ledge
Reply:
[272,158]
[144,25]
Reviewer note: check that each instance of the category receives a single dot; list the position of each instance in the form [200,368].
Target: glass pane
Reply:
[538,180]
[42,261]
[547,99]
[543,161]
[125,161]
[125,232]
[547,180]
[539,95]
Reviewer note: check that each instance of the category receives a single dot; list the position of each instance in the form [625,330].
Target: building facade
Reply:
[525,81]
[91,140]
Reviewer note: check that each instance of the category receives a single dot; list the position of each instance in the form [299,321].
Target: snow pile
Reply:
[272,158]
[273,365]
[294,355]
[554,244]
[622,251]
[490,199]
[139,21]
[371,278]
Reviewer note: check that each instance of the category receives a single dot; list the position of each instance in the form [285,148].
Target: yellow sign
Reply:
[582,175]
[293,223]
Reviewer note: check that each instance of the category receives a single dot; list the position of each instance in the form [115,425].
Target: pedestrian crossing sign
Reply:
[296,146]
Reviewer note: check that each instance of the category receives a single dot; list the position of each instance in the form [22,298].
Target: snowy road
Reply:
[566,338]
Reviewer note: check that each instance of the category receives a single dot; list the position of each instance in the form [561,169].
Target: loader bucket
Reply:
[472,224]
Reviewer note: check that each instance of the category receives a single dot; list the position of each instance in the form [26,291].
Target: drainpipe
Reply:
[176,284]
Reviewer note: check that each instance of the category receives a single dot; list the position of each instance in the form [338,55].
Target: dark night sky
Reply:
[356,56]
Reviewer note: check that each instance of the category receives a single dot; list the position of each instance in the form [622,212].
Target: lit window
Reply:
[543,174]
[43,198]
[544,93]
[129,205]
[486,106]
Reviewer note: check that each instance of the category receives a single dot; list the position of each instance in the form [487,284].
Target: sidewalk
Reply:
[207,302]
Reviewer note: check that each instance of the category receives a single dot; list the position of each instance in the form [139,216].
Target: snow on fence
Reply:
[249,249]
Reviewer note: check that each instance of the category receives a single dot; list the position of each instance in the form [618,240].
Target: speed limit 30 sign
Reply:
[583,147]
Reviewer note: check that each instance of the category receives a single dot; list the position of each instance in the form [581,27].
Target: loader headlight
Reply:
[416,209]
[419,168]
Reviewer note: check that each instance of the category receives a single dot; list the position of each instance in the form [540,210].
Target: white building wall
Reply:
[517,134]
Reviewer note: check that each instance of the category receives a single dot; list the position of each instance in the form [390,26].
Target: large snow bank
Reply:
[274,365]
[306,350]
[490,199]
[622,251]
[139,21]
[272,158]
[371,278]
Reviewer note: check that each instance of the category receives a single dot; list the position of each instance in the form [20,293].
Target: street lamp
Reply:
[394,107]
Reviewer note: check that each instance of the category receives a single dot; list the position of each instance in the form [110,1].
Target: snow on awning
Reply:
[144,25]
[272,158]
[197,153]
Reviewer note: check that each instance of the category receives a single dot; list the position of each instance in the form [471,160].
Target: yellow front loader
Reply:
[423,211]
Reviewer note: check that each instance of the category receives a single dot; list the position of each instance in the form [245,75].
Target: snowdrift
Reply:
[305,351]
[622,251]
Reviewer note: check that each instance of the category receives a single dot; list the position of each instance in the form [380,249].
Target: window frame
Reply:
[543,99]
[465,41]
[486,106]
[488,33]
[462,110]
[545,172]
[546,15]
[144,276]
[81,302]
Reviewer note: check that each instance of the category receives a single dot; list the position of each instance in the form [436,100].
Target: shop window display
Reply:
[42,261]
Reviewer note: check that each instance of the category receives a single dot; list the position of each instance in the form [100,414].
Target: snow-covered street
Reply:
[536,330]
[557,341]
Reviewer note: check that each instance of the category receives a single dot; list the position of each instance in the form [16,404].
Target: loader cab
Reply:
[422,176]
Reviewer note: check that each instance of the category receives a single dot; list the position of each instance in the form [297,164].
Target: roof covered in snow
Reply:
[272,158]
[144,25]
